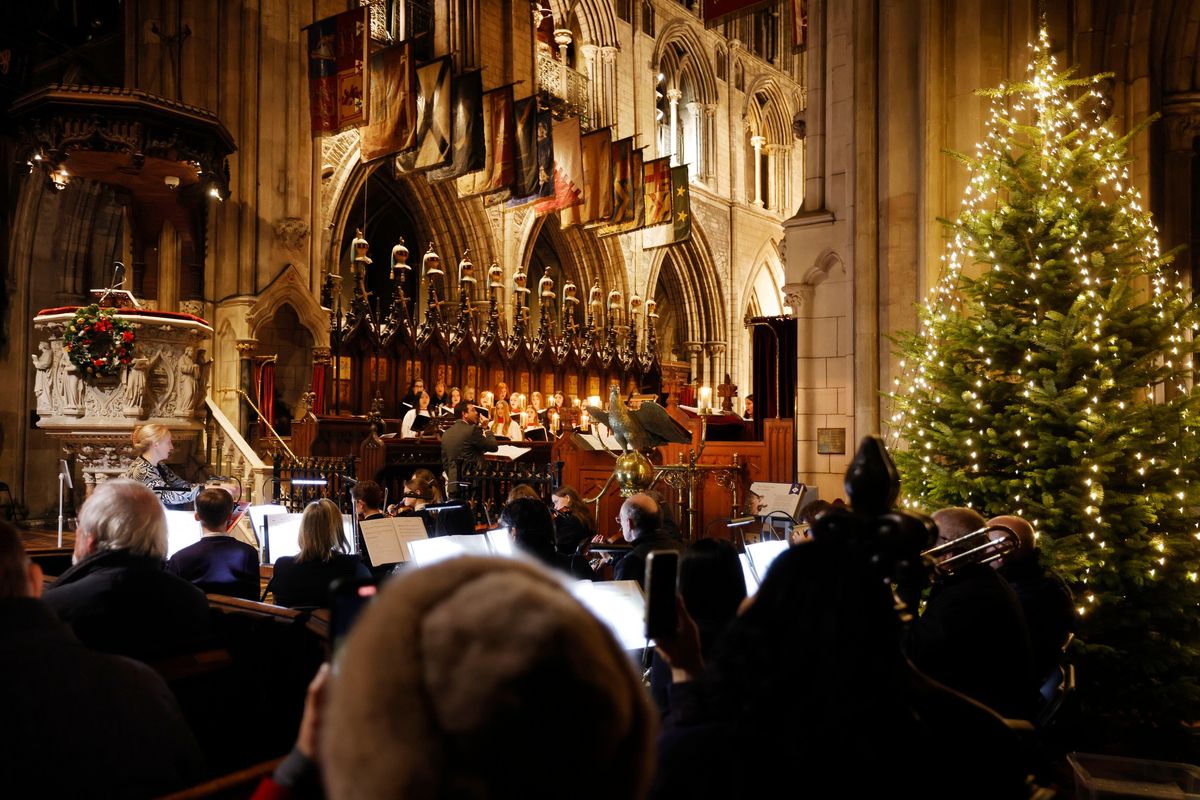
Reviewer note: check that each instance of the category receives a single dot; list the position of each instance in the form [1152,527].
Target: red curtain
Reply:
[266,391]
[318,388]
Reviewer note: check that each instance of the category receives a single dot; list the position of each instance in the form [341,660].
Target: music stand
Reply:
[64,476]
[447,519]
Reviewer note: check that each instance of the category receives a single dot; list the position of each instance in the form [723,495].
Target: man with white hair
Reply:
[63,703]
[116,596]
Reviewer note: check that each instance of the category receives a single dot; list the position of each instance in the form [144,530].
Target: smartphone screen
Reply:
[662,568]
[348,597]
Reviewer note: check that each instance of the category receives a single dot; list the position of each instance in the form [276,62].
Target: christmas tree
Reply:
[1051,377]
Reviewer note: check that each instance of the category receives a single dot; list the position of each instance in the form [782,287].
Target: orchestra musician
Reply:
[152,443]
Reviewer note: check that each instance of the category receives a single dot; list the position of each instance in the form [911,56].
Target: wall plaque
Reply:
[831,441]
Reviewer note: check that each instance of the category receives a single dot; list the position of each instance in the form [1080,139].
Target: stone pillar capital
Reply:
[246,347]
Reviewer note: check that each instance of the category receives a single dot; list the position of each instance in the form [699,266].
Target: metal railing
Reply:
[565,85]
[228,453]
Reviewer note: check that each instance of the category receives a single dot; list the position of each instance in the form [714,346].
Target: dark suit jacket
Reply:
[1049,610]
[632,567]
[128,604]
[219,565]
[78,723]
[305,584]
[467,443]
[973,638]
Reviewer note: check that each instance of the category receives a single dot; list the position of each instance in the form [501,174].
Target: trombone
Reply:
[976,547]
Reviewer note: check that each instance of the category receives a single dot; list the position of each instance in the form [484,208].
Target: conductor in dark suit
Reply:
[465,442]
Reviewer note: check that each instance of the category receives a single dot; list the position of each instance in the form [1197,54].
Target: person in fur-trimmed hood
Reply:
[483,678]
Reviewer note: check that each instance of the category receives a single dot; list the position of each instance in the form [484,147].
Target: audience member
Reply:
[218,563]
[456,674]
[303,581]
[813,666]
[640,519]
[712,588]
[153,443]
[78,723]
[116,596]
[972,635]
[1045,599]
[573,522]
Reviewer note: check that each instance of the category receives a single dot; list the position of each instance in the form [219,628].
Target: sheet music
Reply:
[748,575]
[387,540]
[620,605]
[607,440]
[511,451]
[500,541]
[283,535]
[762,554]
[430,551]
[783,497]
[259,513]
[182,530]
[592,440]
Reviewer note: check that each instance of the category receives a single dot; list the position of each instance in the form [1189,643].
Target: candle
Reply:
[705,399]
[584,420]
[554,422]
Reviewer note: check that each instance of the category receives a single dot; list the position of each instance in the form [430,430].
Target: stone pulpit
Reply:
[120,368]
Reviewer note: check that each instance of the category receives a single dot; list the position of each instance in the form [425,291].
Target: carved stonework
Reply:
[292,232]
[798,296]
[163,383]
[246,347]
[193,307]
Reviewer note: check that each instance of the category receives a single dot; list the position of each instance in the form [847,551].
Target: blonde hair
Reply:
[146,436]
[320,531]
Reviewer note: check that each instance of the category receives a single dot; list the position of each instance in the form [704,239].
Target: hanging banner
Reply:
[499,163]
[337,75]
[467,149]
[680,229]
[434,93]
[636,199]
[540,159]
[597,167]
[657,180]
[393,107]
[568,168]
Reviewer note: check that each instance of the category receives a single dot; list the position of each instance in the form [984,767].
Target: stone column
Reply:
[707,150]
[562,38]
[716,374]
[1183,126]
[605,88]
[757,143]
[673,96]
[693,351]
[245,349]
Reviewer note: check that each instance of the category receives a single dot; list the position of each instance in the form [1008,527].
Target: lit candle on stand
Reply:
[554,422]
[705,399]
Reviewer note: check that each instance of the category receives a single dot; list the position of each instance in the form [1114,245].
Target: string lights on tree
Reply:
[1051,377]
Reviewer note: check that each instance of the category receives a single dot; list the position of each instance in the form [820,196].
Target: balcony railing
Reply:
[564,88]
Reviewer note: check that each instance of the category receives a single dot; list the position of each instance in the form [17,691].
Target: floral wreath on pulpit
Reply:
[98,342]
